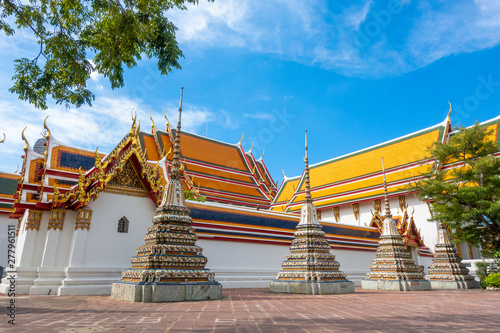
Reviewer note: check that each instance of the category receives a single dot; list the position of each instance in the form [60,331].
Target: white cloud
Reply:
[326,34]
[211,23]
[263,116]
[354,15]
[104,124]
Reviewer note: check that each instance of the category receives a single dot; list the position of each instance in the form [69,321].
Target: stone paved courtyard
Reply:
[258,310]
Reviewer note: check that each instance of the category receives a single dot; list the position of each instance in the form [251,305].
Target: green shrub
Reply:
[481,270]
[483,284]
[493,280]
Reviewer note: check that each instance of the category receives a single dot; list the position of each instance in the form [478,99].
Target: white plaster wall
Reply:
[428,230]
[327,215]
[105,247]
[66,239]
[347,215]
[248,265]
[238,265]
[365,212]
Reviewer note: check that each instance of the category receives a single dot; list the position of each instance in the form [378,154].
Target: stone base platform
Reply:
[469,284]
[312,288]
[396,285]
[156,293]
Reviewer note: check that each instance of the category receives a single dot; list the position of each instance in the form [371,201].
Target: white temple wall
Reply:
[254,265]
[347,215]
[239,264]
[100,254]
[421,216]
[105,246]
[327,215]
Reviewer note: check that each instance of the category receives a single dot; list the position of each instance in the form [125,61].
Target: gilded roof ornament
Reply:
[47,133]
[242,136]
[3,140]
[17,169]
[26,145]
[263,151]
[152,121]
[55,198]
[251,147]
[167,126]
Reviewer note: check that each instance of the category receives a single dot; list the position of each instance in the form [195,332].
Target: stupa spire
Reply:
[310,268]
[170,266]
[386,195]
[176,161]
[308,197]
[393,268]
[447,270]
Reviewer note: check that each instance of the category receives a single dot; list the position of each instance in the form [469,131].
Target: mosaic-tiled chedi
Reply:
[170,266]
[447,270]
[393,268]
[310,268]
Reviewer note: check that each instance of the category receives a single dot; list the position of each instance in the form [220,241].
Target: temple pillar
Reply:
[26,263]
[80,280]
[49,274]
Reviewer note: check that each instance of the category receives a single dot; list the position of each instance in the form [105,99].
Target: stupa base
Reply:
[312,288]
[469,284]
[396,285]
[157,293]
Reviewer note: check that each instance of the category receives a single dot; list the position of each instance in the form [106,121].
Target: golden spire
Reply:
[308,198]
[386,196]
[3,140]
[176,164]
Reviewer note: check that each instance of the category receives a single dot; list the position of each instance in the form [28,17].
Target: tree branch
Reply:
[22,16]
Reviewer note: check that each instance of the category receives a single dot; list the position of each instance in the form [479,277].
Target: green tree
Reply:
[464,187]
[116,33]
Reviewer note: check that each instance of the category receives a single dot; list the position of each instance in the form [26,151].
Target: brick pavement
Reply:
[258,310]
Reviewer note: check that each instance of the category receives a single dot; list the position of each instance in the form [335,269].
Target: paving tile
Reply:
[258,310]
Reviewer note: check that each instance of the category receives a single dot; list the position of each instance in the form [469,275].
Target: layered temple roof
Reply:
[356,177]
[66,176]
[8,185]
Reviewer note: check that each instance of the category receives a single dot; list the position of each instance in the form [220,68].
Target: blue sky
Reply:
[353,73]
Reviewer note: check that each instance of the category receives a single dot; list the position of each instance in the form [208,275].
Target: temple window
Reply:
[123,225]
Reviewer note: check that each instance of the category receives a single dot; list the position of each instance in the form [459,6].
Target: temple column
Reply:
[80,280]
[49,274]
[26,263]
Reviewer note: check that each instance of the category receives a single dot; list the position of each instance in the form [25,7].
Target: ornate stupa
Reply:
[169,267]
[447,270]
[393,268]
[310,268]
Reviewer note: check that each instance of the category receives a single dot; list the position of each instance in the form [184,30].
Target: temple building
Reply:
[80,214]
[348,190]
